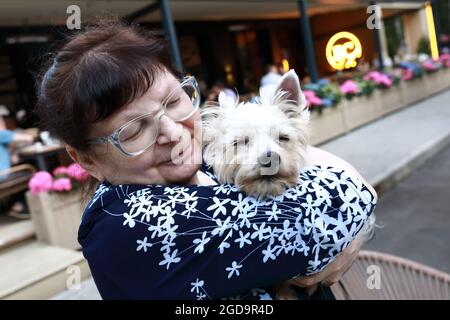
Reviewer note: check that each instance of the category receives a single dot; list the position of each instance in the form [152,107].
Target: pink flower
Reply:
[407,74]
[311,98]
[444,59]
[429,66]
[76,172]
[379,78]
[41,181]
[62,184]
[60,171]
[350,87]
[372,75]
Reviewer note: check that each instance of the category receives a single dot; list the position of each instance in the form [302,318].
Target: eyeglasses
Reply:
[137,135]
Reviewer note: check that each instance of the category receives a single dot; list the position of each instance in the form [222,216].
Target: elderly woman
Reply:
[157,228]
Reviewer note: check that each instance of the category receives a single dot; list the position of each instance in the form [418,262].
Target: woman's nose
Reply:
[169,131]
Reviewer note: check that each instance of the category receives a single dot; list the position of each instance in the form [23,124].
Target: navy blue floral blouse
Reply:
[211,242]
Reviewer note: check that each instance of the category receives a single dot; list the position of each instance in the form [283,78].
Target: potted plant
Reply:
[433,76]
[56,206]
[327,120]
[414,85]
[444,59]
[361,103]
[390,96]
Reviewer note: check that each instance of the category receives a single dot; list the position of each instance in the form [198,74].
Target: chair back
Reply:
[400,279]
[15,179]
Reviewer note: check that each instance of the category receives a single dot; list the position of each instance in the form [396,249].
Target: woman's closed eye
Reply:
[134,131]
[173,103]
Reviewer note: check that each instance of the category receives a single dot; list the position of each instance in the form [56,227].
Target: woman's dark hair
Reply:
[98,70]
[95,73]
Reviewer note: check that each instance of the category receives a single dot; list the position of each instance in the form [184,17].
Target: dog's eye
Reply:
[284,138]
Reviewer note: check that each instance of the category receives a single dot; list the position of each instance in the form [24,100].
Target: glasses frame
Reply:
[114,137]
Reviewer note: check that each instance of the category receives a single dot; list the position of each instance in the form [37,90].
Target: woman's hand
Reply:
[333,272]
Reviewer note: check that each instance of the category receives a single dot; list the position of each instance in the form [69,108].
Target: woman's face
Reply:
[160,163]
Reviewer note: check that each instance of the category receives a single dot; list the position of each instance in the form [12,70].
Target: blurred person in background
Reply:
[272,76]
[7,159]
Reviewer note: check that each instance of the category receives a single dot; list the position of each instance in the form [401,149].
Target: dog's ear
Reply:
[290,84]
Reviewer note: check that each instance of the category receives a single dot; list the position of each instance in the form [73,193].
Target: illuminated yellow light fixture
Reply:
[285,64]
[432,32]
[229,74]
[342,50]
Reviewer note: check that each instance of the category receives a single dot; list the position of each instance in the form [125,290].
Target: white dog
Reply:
[259,146]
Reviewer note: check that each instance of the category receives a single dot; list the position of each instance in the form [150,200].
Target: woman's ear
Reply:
[85,161]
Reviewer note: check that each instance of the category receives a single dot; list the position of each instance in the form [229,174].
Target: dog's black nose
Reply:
[268,159]
[269,154]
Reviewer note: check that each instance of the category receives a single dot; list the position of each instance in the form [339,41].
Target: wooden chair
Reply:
[15,179]
[401,279]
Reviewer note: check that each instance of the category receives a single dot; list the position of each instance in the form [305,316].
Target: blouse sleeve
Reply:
[215,242]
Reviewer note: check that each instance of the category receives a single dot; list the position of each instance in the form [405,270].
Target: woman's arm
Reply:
[322,157]
[333,272]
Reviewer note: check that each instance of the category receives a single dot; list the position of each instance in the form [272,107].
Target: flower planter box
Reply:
[361,110]
[415,90]
[391,99]
[439,81]
[56,217]
[435,82]
[326,125]
[446,78]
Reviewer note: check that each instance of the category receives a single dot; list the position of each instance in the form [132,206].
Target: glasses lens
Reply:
[184,100]
[138,134]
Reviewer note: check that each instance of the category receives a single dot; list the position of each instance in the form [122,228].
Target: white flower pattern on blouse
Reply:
[296,222]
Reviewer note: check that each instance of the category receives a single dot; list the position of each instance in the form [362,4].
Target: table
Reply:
[40,152]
